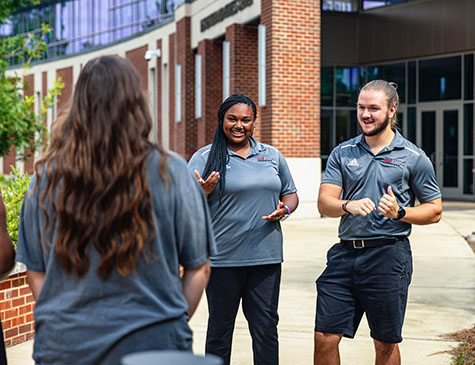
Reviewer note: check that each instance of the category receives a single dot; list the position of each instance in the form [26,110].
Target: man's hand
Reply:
[210,183]
[388,205]
[362,207]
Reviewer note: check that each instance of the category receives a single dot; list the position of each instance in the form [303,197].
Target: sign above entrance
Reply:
[223,13]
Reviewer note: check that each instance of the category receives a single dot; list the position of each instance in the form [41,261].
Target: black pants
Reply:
[258,287]
[3,353]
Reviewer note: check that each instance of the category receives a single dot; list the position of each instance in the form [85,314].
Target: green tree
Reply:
[20,125]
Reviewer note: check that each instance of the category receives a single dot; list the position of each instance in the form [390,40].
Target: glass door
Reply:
[440,137]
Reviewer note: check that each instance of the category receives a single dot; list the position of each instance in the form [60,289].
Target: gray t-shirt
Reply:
[253,188]
[78,320]
[353,166]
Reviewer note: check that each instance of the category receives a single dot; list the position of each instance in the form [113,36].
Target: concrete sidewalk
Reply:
[441,296]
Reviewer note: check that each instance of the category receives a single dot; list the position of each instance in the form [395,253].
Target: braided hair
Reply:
[218,156]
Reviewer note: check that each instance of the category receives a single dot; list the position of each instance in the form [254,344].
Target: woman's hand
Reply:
[277,214]
[210,183]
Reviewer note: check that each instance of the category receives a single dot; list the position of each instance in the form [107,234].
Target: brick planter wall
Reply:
[16,307]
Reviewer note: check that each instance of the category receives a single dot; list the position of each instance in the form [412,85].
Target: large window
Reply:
[346,84]
[370,4]
[440,79]
[339,93]
[340,5]
[392,72]
[80,25]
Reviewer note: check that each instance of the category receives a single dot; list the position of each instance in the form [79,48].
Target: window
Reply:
[392,72]
[468,79]
[378,3]
[440,79]
[84,24]
[327,86]
[340,5]
[347,82]
[326,138]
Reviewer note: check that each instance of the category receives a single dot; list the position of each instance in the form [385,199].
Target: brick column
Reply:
[9,160]
[186,130]
[212,89]
[291,121]
[66,75]
[243,65]
[136,57]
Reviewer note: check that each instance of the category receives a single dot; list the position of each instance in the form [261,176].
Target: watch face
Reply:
[401,213]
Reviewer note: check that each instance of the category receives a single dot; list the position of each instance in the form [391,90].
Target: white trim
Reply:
[177,93]
[261,55]
[226,68]
[198,87]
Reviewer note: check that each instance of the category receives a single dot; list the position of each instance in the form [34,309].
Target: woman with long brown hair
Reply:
[105,227]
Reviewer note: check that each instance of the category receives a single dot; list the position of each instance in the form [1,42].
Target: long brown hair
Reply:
[96,176]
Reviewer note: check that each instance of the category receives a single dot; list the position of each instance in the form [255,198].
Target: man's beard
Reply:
[379,129]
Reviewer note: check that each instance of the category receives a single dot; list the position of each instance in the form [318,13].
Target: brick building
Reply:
[301,61]
[205,51]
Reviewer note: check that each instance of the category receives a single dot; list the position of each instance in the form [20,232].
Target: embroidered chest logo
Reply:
[353,162]
[392,161]
[264,159]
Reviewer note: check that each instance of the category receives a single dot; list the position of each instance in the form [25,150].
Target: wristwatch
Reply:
[400,213]
[286,215]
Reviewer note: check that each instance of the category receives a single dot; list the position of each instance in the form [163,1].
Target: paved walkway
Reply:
[441,296]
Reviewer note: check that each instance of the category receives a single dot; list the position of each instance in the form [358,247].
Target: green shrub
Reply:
[13,191]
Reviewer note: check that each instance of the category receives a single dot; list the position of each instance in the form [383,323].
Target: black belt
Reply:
[370,243]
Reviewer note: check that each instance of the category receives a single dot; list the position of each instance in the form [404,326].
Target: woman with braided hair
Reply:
[105,227]
[250,190]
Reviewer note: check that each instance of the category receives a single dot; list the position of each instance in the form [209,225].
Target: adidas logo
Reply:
[353,162]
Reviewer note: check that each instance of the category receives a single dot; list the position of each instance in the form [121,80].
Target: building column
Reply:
[243,65]
[185,132]
[211,89]
[291,118]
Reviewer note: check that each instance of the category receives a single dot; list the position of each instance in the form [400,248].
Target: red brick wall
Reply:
[29,91]
[185,132]
[16,308]
[136,57]
[211,89]
[9,160]
[66,75]
[171,94]
[291,120]
[244,66]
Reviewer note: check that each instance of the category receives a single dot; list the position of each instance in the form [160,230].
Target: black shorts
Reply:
[374,281]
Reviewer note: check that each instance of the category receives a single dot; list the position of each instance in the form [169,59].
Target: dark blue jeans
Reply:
[258,287]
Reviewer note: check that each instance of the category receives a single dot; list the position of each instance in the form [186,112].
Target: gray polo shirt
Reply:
[79,320]
[353,166]
[253,189]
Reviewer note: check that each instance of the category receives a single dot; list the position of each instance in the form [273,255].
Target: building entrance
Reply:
[440,136]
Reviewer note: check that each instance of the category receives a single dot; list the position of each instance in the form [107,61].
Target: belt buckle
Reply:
[356,246]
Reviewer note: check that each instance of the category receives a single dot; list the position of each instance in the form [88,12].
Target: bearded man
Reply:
[372,182]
